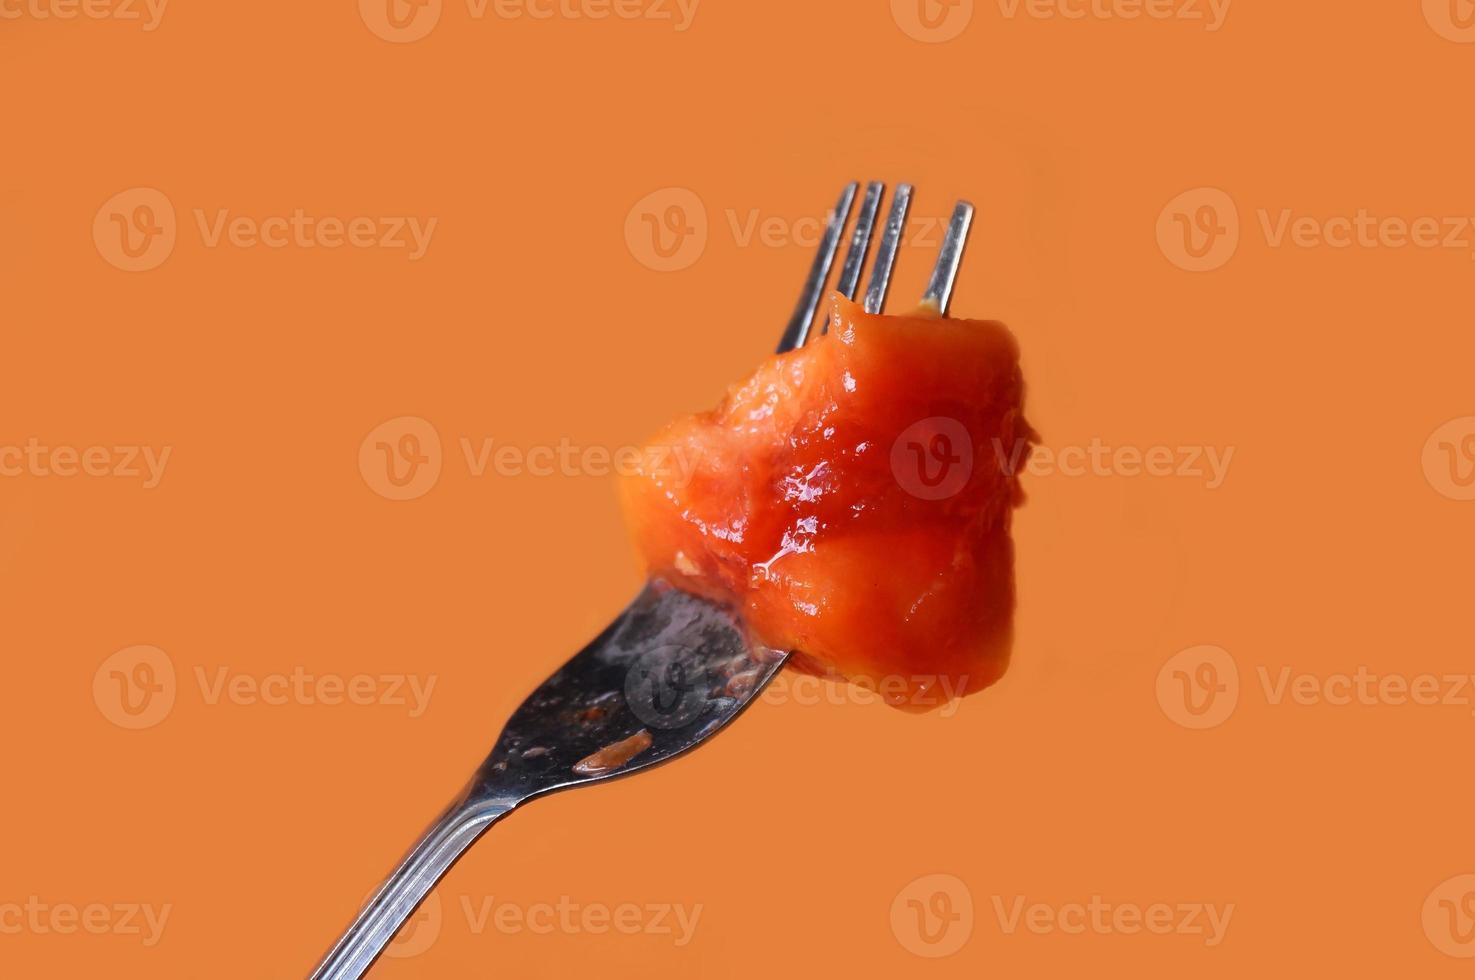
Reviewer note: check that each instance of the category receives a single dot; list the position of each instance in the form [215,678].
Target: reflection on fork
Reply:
[939,292]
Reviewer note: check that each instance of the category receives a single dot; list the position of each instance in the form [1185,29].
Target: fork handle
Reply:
[396,900]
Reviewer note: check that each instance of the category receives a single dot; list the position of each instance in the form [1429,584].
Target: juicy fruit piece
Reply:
[853,499]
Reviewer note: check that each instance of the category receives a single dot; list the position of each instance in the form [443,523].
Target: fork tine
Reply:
[860,240]
[797,331]
[886,253]
[945,275]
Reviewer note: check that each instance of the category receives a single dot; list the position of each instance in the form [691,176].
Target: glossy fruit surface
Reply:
[853,498]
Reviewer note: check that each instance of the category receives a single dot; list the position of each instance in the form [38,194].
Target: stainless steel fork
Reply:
[670,672]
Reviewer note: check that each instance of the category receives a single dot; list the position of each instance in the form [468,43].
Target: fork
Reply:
[670,672]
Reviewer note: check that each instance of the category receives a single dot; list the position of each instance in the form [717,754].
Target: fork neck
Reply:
[462,823]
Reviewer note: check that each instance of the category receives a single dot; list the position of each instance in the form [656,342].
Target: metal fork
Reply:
[670,672]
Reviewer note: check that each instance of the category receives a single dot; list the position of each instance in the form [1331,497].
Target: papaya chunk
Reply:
[853,500]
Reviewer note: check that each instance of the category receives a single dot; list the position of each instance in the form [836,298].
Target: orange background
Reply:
[529,320]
